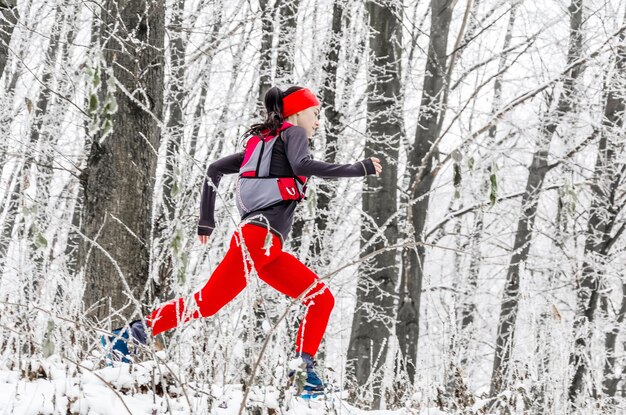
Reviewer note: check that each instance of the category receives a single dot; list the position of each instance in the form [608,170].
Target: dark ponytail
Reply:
[273,101]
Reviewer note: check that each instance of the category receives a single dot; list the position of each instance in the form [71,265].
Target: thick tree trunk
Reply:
[538,169]
[376,286]
[602,220]
[430,118]
[120,174]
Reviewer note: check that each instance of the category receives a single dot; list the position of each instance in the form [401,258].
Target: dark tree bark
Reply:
[265,60]
[376,286]
[9,16]
[430,119]
[603,215]
[118,181]
[537,171]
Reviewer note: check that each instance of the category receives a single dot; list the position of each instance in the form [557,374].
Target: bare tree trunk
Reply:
[376,286]
[199,110]
[9,16]
[521,246]
[288,18]
[453,396]
[175,127]
[40,108]
[197,116]
[430,119]
[612,375]
[40,248]
[12,205]
[259,307]
[468,306]
[178,93]
[288,12]
[542,402]
[119,177]
[497,85]
[38,134]
[332,127]
[602,221]
[73,240]
[265,64]
[232,87]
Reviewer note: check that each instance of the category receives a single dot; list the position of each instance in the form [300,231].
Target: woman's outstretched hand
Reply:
[203,239]
[377,165]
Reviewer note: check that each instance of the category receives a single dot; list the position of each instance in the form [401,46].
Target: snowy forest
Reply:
[483,272]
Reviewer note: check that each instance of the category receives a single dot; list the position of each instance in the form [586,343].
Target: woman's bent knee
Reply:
[321,296]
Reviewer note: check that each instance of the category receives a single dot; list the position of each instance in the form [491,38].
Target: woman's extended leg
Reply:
[291,277]
[223,285]
[228,280]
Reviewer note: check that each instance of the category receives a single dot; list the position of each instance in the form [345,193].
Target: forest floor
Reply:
[52,386]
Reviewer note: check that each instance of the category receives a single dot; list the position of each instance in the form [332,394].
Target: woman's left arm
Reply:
[225,165]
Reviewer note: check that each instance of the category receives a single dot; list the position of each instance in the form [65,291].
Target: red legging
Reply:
[278,269]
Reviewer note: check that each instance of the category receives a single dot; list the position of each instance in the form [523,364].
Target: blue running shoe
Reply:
[124,342]
[312,384]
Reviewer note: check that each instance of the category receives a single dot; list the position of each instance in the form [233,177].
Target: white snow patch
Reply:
[124,388]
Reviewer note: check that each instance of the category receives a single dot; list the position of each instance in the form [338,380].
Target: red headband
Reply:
[298,101]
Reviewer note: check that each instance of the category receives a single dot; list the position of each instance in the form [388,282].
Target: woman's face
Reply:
[308,120]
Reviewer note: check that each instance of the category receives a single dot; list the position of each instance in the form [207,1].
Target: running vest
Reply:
[255,188]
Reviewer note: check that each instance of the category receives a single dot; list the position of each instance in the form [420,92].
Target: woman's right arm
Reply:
[303,164]
[226,165]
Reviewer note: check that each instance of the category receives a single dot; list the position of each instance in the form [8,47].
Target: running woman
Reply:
[273,170]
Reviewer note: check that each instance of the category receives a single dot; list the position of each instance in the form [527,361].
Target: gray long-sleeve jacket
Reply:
[291,156]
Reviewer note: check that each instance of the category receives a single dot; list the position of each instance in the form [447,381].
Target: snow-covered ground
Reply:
[53,386]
